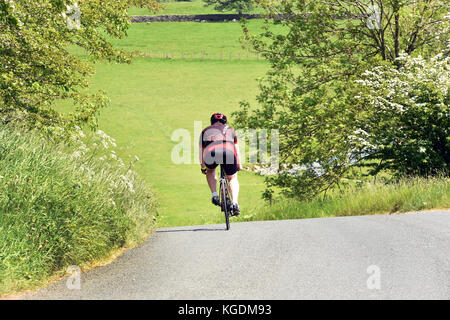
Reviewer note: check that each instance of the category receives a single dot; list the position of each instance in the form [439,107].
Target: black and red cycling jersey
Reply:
[218,136]
[217,144]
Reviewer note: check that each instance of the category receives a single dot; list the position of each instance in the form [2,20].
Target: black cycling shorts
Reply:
[224,157]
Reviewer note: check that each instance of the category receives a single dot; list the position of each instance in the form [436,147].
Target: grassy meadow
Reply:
[190,40]
[152,97]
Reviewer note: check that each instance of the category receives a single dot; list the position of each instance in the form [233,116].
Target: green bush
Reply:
[65,205]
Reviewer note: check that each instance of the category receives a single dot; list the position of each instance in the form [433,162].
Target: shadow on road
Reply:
[184,230]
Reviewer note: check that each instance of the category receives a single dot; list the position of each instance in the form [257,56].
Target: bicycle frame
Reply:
[225,197]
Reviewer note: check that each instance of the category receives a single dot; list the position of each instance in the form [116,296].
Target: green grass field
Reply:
[151,98]
[211,39]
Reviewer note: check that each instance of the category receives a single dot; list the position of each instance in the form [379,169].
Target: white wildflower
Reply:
[105,144]
[76,154]
[360,132]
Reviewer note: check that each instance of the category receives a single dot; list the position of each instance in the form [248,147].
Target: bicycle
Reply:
[225,197]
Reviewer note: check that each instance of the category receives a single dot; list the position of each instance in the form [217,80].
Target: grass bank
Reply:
[373,198]
[63,206]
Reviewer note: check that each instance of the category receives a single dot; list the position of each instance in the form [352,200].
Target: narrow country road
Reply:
[404,256]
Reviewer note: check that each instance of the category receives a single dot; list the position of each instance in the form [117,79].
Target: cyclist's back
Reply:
[218,136]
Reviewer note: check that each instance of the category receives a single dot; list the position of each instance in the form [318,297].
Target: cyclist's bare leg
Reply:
[212,180]
[234,186]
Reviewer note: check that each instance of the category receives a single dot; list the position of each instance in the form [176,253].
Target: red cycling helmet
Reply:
[218,117]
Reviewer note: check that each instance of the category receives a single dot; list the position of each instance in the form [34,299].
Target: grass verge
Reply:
[63,206]
[407,195]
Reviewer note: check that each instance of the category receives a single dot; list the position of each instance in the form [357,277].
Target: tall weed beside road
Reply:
[64,205]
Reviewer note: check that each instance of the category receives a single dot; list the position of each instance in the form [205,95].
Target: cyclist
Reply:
[219,146]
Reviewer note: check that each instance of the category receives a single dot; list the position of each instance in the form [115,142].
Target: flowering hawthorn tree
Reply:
[407,125]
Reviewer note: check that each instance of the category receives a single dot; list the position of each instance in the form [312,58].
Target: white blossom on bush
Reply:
[407,121]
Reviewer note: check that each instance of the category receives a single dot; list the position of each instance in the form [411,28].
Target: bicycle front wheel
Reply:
[225,204]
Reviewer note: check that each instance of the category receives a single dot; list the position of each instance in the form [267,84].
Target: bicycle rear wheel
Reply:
[225,200]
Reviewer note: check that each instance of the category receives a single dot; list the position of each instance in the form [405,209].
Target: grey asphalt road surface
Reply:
[404,256]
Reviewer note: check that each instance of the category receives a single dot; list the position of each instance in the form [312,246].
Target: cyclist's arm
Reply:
[202,161]
[200,151]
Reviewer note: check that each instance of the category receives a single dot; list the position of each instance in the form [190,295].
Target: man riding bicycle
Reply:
[219,146]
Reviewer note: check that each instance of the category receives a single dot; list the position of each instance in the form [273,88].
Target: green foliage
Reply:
[65,205]
[36,68]
[308,94]
[240,6]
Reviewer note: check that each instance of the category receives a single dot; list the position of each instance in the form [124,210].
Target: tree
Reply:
[317,51]
[240,6]
[37,66]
